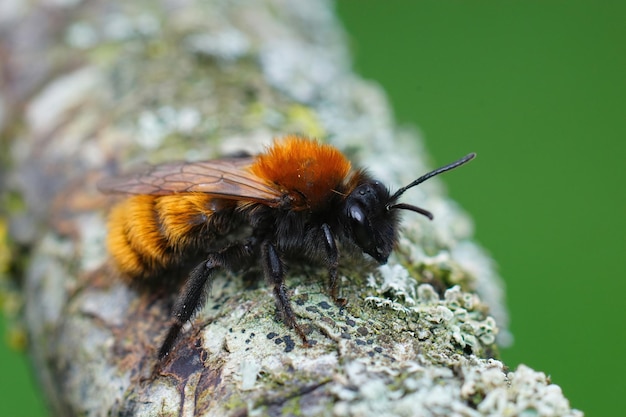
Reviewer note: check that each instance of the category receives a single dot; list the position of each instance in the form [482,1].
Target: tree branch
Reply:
[147,82]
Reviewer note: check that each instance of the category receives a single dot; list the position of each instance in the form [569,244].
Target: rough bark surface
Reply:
[89,90]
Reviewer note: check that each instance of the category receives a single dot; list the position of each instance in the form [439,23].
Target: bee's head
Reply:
[371,225]
[372,213]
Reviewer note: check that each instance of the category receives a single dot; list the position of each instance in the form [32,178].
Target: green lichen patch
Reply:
[473,387]
[457,322]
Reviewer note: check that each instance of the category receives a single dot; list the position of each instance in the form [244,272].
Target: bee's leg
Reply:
[332,262]
[275,274]
[233,257]
[188,300]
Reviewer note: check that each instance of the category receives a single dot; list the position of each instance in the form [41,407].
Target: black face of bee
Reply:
[371,225]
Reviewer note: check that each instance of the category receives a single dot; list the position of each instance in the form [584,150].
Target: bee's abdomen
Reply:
[149,234]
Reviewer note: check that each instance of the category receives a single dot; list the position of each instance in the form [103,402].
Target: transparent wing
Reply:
[225,178]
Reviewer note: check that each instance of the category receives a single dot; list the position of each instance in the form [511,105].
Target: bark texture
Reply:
[91,89]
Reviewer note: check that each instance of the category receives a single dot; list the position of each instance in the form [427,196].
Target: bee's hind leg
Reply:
[232,258]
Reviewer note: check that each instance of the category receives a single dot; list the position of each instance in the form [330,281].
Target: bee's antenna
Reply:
[420,180]
[416,209]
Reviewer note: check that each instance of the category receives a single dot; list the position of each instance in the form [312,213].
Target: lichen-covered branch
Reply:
[150,82]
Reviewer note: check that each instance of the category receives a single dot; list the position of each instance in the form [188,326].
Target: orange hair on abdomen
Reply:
[303,167]
[149,233]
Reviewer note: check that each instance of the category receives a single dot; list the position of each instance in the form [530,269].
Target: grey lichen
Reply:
[151,83]
[474,387]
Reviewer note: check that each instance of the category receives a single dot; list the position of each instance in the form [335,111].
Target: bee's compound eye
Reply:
[356,214]
[361,229]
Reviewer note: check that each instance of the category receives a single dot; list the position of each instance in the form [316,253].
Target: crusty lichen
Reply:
[473,387]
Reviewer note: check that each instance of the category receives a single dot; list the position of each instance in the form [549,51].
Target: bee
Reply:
[299,198]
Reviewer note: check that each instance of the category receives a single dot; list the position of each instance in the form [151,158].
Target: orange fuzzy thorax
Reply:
[303,167]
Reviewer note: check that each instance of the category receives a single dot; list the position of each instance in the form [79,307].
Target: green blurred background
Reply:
[538,89]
